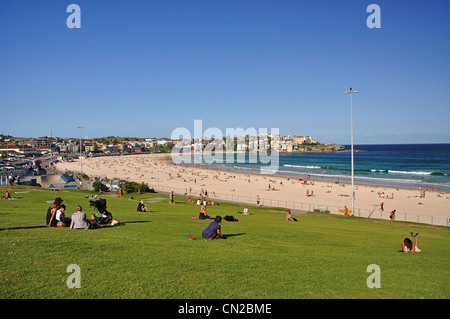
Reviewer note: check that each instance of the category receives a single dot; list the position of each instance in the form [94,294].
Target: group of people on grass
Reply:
[56,217]
[201,201]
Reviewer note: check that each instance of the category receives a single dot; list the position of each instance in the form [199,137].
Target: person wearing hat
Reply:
[51,212]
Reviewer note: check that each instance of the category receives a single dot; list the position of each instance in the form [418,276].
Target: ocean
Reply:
[403,165]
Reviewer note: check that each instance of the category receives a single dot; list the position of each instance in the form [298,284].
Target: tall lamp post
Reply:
[7,146]
[351,91]
[81,160]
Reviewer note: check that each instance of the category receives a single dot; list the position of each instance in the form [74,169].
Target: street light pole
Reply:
[81,160]
[351,91]
[7,147]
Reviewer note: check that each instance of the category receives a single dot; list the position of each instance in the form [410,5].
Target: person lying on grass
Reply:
[409,247]
[213,231]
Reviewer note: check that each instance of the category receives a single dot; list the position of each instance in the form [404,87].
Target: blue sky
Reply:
[144,68]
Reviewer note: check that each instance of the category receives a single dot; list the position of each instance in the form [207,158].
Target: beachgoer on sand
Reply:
[392,215]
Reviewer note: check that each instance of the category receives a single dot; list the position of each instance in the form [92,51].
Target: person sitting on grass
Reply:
[213,231]
[142,207]
[51,212]
[7,195]
[289,217]
[62,220]
[409,247]
[202,214]
[79,220]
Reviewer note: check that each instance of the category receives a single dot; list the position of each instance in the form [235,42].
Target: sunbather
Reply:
[409,247]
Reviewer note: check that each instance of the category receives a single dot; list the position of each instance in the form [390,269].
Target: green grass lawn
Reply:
[320,256]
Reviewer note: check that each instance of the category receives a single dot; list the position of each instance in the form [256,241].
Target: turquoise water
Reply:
[405,165]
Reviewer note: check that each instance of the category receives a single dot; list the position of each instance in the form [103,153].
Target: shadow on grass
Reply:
[232,235]
[136,222]
[43,226]
[23,227]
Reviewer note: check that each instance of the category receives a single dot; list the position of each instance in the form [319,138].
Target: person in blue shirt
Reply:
[213,230]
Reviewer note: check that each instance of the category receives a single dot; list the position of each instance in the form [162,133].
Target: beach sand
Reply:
[157,171]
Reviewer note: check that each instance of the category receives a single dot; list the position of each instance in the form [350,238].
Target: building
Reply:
[13,149]
[41,142]
[299,139]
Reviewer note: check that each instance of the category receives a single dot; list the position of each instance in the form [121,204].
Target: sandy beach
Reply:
[157,171]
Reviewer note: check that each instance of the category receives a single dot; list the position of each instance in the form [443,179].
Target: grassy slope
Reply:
[321,256]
